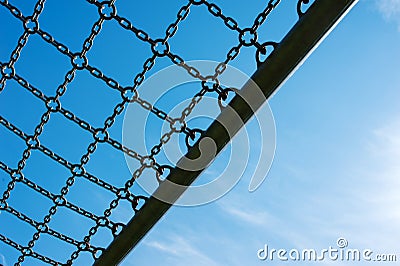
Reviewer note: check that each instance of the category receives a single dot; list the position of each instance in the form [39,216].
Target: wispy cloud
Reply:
[364,197]
[2,260]
[243,214]
[372,190]
[387,140]
[181,251]
[390,9]
[162,247]
[358,202]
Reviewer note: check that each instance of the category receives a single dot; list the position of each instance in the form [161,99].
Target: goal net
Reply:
[76,74]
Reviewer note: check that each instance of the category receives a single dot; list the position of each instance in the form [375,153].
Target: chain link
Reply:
[79,61]
[27,252]
[13,174]
[80,122]
[43,228]
[173,27]
[45,118]
[23,39]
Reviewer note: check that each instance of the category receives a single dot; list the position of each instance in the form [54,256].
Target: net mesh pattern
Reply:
[35,209]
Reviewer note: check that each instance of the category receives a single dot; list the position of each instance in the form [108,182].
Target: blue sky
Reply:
[335,172]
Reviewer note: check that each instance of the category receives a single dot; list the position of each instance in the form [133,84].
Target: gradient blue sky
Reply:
[335,173]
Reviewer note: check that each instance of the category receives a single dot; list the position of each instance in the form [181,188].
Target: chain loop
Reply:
[161,47]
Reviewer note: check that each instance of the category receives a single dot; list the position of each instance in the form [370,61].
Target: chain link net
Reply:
[77,170]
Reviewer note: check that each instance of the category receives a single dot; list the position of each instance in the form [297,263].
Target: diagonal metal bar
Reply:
[297,45]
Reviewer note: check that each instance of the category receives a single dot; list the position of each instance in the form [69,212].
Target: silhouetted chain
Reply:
[29,22]
[247,37]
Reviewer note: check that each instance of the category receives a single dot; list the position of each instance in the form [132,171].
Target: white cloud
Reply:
[390,9]
[369,202]
[360,202]
[182,251]
[2,260]
[244,214]
[162,247]
[387,140]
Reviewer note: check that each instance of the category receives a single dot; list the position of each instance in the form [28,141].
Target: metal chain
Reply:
[34,144]
[23,39]
[28,252]
[234,51]
[43,228]
[77,170]
[146,162]
[56,107]
[20,178]
[159,48]
[39,129]
[173,27]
